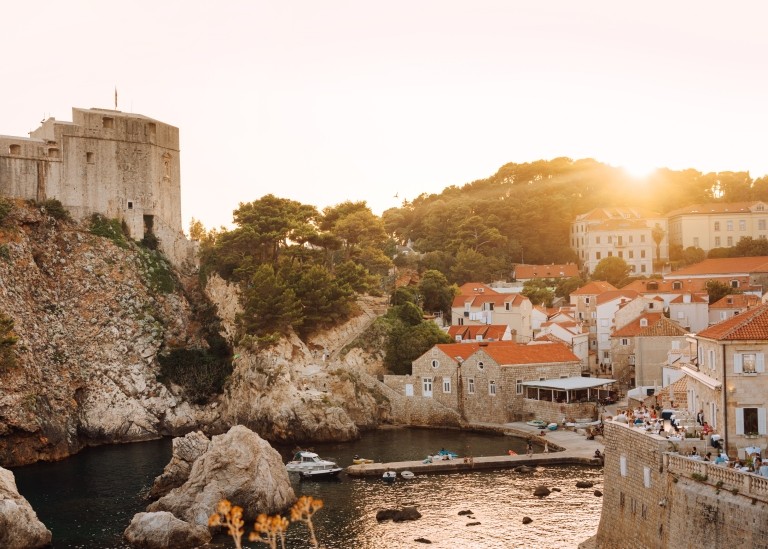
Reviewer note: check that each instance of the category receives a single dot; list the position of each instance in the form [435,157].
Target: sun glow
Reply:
[638,170]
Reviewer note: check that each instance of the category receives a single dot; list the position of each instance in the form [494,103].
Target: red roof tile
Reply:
[736,301]
[509,352]
[723,266]
[471,331]
[594,288]
[653,286]
[474,288]
[611,295]
[749,325]
[526,272]
[714,208]
[657,326]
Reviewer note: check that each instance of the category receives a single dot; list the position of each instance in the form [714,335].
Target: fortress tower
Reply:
[120,165]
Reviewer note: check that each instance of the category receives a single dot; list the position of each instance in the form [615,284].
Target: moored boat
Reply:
[309,465]
[540,423]
[389,476]
[357,460]
[407,474]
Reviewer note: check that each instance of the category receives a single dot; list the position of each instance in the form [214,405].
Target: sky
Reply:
[323,102]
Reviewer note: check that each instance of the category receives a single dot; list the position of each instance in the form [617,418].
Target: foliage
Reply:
[436,293]
[6,207]
[158,272]
[324,302]
[718,290]
[108,228]
[267,529]
[567,285]
[692,255]
[150,241]
[356,277]
[404,294]
[471,265]
[408,313]
[611,269]
[539,292]
[698,477]
[200,372]
[8,340]
[269,305]
[406,343]
[56,209]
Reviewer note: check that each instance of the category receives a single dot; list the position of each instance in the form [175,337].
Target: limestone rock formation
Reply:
[398,515]
[541,491]
[19,526]
[186,450]
[239,466]
[162,530]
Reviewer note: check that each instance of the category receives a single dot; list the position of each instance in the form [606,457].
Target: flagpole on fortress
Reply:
[115,97]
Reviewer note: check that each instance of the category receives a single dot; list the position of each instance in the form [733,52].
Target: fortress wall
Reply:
[652,500]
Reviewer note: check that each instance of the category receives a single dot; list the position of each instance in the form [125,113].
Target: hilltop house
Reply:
[747,274]
[717,225]
[731,305]
[490,307]
[729,381]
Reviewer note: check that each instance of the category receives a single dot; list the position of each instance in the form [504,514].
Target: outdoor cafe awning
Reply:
[569,383]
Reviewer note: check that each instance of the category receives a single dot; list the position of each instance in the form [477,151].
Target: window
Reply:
[734,283]
[625,341]
[130,204]
[631,254]
[53,152]
[446,385]
[748,363]
[14,149]
[409,389]
[506,306]
[606,355]
[89,157]
[435,363]
[586,300]
[598,255]
[597,240]
[742,224]
[642,238]
[642,268]
[621,255]
[677,285]
[644,321]
[717,241]
[471,385]
[750,421]
[761,224]
[717,225]
[730,241]
[426,384]
[729,225]
[108,122]
[519,386]
[760,208]
[610,254]
[642,254]
[711,359]
[646,481]
[480,365]
[631,238]
[610,239]
[492,388]
[623,466]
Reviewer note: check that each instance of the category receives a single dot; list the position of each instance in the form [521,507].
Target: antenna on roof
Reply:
[115,97]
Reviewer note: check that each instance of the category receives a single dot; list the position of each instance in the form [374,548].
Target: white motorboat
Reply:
[389,476]
[309,465]
[407,474]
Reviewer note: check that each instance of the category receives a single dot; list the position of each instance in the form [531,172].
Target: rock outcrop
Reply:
[162,530]
[238,466]
[186,450]
[19,526]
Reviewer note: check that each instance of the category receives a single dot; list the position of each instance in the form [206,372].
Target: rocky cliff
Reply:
[92,318]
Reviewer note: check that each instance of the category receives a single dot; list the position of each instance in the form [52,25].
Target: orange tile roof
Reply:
[611,213]
[611,295]
[664,286]
[531,354]
[736,301]
[714,208]
[474,288]
[471,331]
[723,266]
[497,299]
[594,288]
[526,272]
[749,325]
[615,224]
[694,298]
[658,326]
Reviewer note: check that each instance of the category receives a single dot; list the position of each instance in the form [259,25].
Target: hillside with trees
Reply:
[522,213]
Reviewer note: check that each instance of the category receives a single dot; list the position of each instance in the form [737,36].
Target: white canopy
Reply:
[569,383]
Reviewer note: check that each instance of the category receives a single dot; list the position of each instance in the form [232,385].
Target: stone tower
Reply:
[121,165]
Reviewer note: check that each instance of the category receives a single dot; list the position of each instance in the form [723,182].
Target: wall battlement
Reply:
[121,165]
[652,498]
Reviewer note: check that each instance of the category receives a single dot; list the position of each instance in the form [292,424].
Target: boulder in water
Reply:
[160,530]
[527,520]
[186,450]
[19,526]
[238,466]
[541,491]
[584,484]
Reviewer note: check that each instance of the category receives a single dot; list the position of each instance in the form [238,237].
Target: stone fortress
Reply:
[123,166]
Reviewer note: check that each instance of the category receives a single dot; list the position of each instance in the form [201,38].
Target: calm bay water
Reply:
[88,500]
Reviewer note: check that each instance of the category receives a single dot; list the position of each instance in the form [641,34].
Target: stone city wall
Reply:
[654,499]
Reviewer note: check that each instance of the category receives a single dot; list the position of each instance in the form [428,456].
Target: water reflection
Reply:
[88,500]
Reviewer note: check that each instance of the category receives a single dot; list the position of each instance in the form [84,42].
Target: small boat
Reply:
[389,476]
[580,424]
[446,454]
[309,465]
[538,423]
[360,461]
[407,474]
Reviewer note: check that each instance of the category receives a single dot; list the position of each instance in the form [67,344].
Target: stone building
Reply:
[491,307]
[123,166]
[483,381]
[729,382]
